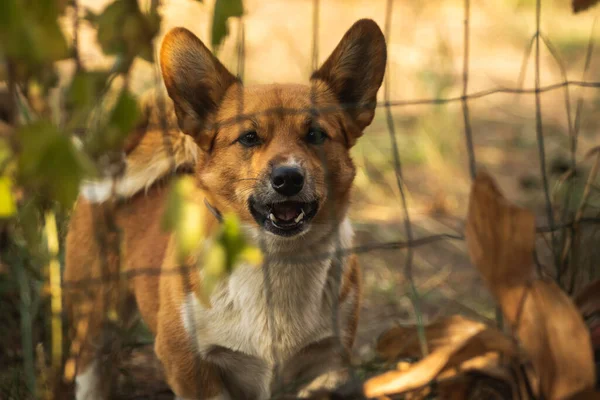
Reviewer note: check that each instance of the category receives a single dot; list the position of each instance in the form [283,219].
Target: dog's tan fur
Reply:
[230,349]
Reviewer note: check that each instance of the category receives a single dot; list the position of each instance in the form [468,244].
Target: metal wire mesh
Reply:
[109,241]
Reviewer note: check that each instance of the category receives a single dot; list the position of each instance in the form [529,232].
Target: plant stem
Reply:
[55,289]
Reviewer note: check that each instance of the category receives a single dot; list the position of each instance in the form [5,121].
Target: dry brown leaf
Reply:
[488,364]
[470,352]
[500,239]
[557,341]
[500,236]
[582,5]
[403,341]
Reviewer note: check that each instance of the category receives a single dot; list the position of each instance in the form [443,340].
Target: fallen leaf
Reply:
[500,238]
[474,348]
[403,341]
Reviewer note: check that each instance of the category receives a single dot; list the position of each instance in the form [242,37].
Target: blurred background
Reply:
[425,81]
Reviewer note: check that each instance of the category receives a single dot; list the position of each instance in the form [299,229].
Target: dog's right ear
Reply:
[196,82]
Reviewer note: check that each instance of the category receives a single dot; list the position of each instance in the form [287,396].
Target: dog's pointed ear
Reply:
[196,82]
[354,71]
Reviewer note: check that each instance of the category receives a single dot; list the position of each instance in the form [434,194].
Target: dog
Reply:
[278,157]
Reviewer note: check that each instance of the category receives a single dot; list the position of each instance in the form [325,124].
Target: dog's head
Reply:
[277,155]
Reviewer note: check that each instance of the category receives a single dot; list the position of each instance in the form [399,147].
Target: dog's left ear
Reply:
[354,71]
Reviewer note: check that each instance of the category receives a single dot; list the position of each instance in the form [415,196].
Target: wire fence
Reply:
[386,106]
[109,235]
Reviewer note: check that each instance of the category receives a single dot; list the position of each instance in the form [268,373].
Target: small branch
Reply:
[55,289]
[76,56]
[12,112]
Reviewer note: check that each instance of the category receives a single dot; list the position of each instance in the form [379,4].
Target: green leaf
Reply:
[90,16]
[30,32]
[124,30]
[5,150]
[215,268]
[85,89]
[184,216]
[224,9]
[120,123]
[114,15]
[7,200]
[219,254]
[232,239]
[50,164]
[30,221]
[125,113]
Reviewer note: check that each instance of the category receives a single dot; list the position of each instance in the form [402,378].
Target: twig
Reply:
[539,128]
[55,290]
[76,56]
[464,101]
[414,294]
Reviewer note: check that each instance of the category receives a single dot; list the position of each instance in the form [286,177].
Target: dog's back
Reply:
[115,232]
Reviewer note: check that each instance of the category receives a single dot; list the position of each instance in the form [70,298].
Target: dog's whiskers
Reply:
[246,179]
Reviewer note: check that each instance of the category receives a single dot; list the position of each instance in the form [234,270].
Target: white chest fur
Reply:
[269,316]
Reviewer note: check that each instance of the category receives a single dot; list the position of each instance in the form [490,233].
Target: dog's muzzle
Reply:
[284,206]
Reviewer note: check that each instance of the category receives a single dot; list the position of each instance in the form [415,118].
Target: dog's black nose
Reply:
[287,180]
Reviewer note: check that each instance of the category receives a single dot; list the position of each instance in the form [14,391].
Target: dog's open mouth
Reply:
[286,218]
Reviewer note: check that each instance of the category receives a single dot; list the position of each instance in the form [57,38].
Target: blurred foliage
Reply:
[183,216]
[31,38]
[7,201]
[133,34]
[49,163]
[114,128]
[224,9]
[53,137]
[228,250]
[218,253]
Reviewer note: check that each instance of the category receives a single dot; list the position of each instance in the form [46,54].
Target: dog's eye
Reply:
[249,139]
[316,136]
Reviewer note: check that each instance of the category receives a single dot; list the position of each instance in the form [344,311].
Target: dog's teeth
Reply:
[272,217]
[300,216]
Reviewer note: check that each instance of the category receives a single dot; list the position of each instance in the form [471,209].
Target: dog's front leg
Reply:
[245,377]
[188,375]
[323,364]
[320,365]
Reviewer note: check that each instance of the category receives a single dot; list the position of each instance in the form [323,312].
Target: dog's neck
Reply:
[298,309]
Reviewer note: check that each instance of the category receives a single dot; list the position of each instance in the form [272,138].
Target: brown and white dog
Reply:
[276,155]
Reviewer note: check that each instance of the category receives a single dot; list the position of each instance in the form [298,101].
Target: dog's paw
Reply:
[325,382]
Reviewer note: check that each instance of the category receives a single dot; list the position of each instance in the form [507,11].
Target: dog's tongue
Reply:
[286,211]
